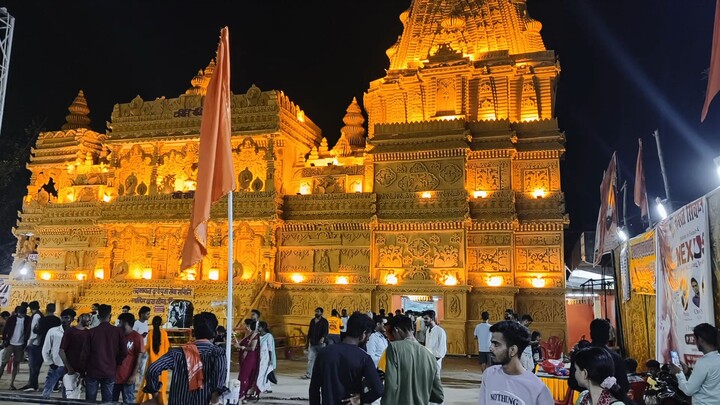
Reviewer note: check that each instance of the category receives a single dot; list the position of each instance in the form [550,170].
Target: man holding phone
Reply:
[704,382]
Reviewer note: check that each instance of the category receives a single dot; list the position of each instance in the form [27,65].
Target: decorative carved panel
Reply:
[426,175]
[421,256]
[537,174]
[489,175]
[489,259]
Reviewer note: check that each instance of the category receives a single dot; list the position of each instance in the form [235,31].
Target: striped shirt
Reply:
[214,368]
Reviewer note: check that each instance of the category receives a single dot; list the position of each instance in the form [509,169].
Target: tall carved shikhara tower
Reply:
[452,195]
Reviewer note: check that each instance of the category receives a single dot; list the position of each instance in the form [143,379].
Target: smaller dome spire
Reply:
[79,111]
[210,69]
[197,84]
[201,81]
[342,148]
[354,120]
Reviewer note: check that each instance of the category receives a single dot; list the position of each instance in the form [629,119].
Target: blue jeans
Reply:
[105,385]
[128,393]
[35,361]
[52,379]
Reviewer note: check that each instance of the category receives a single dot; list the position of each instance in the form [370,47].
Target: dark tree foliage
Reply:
[14,178]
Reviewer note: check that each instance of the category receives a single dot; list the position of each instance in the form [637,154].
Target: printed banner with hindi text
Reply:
[684,281]
[642,263]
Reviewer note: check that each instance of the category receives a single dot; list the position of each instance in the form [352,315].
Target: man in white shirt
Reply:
[344,318]
[508,382]
[377,343]
[527,358]
[51,352]
[435,337]
[482,334]
[141,327]
[15,336]
[704,382]
[34,349]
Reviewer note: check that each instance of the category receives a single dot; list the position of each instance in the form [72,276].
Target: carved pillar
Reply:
[270,174]
[152,189]
[369,174]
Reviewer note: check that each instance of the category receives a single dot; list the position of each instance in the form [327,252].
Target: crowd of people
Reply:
[363,358]
[397,359]
[87,356]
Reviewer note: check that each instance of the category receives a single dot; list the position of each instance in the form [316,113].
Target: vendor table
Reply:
[558,386]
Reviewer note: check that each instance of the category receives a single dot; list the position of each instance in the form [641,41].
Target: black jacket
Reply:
[620,373]
[317,331]
[45,324]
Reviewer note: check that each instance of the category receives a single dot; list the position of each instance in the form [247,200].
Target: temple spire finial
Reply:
[354,120]
[79,111]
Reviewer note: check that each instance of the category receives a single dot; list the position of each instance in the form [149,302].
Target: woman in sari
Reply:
[249,349]
[157,345]
[268,362]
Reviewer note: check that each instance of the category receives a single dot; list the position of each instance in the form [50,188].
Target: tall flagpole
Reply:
[228,343]
[656,134]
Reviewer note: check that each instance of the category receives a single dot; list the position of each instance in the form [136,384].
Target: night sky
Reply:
[628,67]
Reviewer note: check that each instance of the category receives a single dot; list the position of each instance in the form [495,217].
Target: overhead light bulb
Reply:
[495,281]
[622,234]
[661,209]
[717,165]
[539,193]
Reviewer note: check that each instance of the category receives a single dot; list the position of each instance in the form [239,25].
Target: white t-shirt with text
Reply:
[499,388]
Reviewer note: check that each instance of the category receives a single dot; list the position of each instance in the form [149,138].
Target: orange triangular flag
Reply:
[640,193]
[215,176]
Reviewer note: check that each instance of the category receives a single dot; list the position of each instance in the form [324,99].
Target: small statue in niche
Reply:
[130,184]
[71,261]
[323,264]
[120,271]
[168,184]
[244,179]
[257,185]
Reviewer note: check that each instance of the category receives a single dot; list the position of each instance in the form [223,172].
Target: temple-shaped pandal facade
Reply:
[450,199]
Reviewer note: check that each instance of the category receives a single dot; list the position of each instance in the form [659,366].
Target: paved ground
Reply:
[461,379]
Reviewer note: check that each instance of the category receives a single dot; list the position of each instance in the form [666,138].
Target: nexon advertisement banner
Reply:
[684,281]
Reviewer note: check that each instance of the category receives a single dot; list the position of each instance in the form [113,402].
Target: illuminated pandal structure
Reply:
[453,195]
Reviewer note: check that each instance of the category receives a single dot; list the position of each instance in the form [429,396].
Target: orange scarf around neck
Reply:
[194,366]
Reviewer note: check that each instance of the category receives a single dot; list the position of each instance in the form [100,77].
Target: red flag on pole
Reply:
[215,176]
[713,86]
[606,230]
[640,193]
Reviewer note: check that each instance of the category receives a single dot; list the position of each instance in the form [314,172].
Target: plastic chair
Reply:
[553,347]
[637,392]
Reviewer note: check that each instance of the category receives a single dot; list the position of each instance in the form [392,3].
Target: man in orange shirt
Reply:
[334,327]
